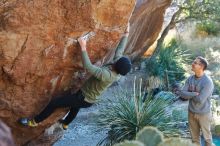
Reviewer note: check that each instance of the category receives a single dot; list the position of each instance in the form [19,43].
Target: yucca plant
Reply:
[171,58]
[126,114]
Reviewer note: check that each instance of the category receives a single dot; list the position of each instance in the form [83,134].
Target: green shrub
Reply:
[209,27]
[217,129]
[217,87]
[172,58]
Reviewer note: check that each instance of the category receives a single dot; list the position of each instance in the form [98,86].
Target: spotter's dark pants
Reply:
[73,101]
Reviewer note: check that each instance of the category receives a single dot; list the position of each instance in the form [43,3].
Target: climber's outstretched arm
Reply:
[96,71]
[122,44]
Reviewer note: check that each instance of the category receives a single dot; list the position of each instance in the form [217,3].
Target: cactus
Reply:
[176,142]
[130,143]
[150,136]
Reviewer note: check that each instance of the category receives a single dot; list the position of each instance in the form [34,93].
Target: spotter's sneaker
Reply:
[27,122]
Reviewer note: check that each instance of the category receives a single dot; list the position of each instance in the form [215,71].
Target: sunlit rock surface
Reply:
[38,60]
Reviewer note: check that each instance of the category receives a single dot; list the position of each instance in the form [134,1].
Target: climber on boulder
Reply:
[101,79]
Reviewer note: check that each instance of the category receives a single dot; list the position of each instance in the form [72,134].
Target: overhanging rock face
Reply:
[38,59]
[147,21]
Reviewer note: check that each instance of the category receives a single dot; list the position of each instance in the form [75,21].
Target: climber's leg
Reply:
[61,102]
[79,103]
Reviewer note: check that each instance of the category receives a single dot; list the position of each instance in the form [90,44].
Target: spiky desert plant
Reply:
[171,58]
[127,114]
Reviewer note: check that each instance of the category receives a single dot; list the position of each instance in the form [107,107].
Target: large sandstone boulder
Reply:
[38,60]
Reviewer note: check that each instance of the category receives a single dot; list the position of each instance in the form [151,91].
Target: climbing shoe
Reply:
[27,122]
[64,126]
